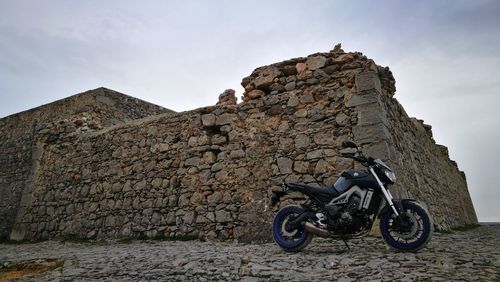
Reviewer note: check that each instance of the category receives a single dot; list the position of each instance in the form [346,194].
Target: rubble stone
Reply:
[460,256]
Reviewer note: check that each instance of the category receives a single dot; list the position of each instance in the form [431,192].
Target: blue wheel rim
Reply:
[423,234]
[284,242]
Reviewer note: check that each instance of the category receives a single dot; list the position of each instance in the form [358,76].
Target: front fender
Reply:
[398,203]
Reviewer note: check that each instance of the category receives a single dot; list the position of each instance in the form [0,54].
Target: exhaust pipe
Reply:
[325,234]
[317,231]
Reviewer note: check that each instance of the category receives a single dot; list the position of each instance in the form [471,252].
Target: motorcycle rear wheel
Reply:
[290,240]
[412,237]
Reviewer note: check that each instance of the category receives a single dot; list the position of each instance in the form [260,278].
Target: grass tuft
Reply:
[129,240]
[6,241]
[28,268]
[77,239]
[461,228]
[466,227]
[444,231]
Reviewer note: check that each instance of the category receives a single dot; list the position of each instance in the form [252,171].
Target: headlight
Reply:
[390,175]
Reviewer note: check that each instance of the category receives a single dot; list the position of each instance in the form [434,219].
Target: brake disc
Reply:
[285,232]
[414,228]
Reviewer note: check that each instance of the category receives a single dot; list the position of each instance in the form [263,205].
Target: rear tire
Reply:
[291,240]
[412,238]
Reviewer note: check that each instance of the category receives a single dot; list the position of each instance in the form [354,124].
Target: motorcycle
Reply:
[349,207]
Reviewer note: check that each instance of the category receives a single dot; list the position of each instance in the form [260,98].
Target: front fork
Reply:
[398,208]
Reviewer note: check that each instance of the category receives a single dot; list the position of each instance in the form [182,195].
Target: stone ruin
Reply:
[101,164]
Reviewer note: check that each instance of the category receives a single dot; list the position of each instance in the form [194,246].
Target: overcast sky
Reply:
[445,56]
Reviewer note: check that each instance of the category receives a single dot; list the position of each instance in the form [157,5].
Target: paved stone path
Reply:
[461,256]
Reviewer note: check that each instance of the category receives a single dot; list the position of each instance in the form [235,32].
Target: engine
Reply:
[346,218]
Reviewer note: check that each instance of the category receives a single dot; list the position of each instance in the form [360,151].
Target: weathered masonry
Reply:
[19,150]
[109,165]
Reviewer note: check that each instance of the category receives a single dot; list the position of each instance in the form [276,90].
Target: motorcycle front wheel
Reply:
[411,232]
[290,239]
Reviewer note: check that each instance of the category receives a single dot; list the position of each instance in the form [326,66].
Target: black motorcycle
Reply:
[348,209]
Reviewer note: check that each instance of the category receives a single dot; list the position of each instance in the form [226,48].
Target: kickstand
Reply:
[347,245]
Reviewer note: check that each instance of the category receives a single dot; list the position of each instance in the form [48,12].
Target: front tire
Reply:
[290,240]
[414,234]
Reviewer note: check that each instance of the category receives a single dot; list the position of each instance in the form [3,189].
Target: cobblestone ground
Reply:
[468,256]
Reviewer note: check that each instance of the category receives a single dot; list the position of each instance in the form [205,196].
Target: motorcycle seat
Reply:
[330,191]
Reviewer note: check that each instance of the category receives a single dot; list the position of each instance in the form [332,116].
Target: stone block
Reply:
[216,167]
[342,119]
[225,118]
[323,138]
[370,133]
[156,183]
[342,59]
[300,67]
[331,69]
[208,120]
[285,165]
[301,166]
[218,139]
[361,98]
[242,173]
[293,101]
[237,154]
[290,86]
[301,113]
[369,114]
[222,216]
[315,62]
[188,218]
[302,141]
[307,98]
[322,167]
[266,76]
[254,94]
[378,150]
[289,70]
[275,110]
[228,97]
[313,155]
[194,161]
[209,157]
[366,81]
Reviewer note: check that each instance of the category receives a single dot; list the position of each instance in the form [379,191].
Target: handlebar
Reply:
[365,161]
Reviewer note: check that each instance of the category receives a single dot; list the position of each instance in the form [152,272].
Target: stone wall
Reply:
[87,111]
[423,168]
[438,181]
[209,172]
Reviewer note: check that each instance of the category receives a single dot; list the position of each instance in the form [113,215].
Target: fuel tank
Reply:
[350,178]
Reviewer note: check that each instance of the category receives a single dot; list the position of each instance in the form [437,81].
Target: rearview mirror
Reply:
[349,144]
